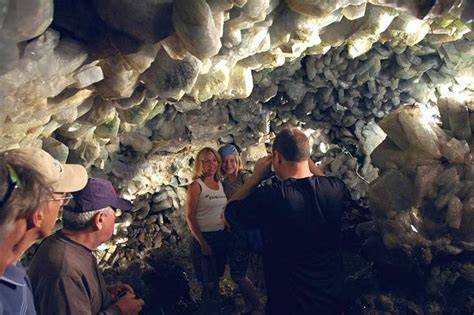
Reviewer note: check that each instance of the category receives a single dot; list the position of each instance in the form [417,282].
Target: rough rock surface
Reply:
[134,98]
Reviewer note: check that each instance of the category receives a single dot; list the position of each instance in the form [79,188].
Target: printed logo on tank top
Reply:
[207,196]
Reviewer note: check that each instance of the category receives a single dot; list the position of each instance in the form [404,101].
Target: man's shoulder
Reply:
[329,181]
[332,188]
[57,257]
[51,248]
[15,275]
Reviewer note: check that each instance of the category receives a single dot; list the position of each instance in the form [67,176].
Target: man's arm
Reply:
[245,202]
[260,172]
[67,295]
[62,295]
[315,169]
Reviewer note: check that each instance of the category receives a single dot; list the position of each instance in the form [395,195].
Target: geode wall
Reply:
[132,89]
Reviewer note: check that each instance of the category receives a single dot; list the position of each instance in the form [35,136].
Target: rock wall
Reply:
[132,89]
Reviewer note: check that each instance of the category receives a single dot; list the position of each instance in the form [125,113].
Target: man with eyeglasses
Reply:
[64,272]
[33,187]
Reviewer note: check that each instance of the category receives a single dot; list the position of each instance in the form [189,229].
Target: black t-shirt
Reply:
[300,221]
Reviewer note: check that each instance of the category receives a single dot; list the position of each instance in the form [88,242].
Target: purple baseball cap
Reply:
[98,194]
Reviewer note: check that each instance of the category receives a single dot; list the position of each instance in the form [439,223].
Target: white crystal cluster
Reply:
[178,50]
[423,200]
[343,97]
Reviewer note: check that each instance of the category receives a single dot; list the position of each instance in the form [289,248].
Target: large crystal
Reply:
[392,127]
[372,136]
[257,9]
[170,78]
[211,83]
[108,129]
[419,130]
[376,21]
[465,231]
[26,19]
[57,149]
[122,72]
[87,75]
[137,141]
[320,8]
[455,116]
[454,214]
[102,111]
[194,23]
[240,83]
[390,193]
[417,8]
[455,151]
[403,231]
[425,181]
[120,78]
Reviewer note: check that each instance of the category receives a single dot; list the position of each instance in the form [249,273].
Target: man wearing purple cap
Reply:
[64,272]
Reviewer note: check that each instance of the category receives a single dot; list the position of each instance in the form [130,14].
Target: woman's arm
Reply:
[193,193]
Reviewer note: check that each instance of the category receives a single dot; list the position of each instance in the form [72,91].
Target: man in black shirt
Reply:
[299,215]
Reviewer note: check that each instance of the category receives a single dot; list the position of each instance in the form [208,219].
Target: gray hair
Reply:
[22,189]
[77,221]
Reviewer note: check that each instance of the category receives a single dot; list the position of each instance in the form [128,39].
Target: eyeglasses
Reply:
[14,182]
[64,199]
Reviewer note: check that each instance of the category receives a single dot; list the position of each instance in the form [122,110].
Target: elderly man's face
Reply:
[8,246]
[50,210]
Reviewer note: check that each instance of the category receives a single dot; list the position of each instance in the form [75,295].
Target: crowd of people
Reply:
[298,213]
[293,219]
[65,278]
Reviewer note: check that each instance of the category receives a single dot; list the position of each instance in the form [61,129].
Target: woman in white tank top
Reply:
[205,202]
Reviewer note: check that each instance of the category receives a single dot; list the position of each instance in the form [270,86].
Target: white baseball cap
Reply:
[61,177]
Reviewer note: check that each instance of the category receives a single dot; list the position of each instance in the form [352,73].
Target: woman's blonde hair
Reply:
[198,169]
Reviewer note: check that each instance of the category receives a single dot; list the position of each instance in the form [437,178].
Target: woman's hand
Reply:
[206,250]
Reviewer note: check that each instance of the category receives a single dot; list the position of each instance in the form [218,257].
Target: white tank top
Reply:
[210,206]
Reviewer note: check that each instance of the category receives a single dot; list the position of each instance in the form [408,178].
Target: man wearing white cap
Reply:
[33,187]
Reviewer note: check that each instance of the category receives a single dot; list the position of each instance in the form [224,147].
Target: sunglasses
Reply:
[14,182]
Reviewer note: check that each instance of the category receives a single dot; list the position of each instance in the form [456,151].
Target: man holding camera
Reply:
[64,273]
[299,215]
